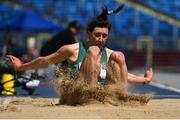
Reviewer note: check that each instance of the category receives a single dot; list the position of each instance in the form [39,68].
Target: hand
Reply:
[16,62]
[148,75]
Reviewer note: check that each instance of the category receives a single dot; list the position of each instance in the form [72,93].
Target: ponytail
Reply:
[102,19]
[105,13]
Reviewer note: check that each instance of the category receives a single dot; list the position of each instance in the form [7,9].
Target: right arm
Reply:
[62,54]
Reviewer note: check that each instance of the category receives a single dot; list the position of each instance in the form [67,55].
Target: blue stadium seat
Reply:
[125,23]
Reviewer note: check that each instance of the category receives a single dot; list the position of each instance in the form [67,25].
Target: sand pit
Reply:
[20,107]
[76,91]
[78,100]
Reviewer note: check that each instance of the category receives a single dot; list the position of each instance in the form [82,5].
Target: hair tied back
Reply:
[105,11]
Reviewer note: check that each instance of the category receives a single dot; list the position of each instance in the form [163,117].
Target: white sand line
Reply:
[164,87]
[168,96]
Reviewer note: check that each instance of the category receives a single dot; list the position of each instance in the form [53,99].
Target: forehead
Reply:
[101,29]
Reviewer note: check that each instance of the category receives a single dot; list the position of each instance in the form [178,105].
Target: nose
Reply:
[100,38]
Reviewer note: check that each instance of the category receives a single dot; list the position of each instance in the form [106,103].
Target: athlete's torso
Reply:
[79,53]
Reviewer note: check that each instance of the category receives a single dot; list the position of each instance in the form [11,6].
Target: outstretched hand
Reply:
[16,61]
[149,75]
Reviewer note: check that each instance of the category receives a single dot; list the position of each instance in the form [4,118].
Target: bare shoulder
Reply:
[63,53]
[69,48]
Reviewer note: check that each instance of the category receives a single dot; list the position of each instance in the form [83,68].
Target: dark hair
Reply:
[74,24]
[102,19]
[99,21]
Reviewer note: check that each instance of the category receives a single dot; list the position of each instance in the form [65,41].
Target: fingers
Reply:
[150,69]
[15,61]
[13,58]
[149,74]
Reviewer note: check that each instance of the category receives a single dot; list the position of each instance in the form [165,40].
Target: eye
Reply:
[98,34]
[104,35]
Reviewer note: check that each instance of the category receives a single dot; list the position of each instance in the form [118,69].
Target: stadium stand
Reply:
[127,26]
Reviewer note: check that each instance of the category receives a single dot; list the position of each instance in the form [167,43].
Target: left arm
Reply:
[134,79]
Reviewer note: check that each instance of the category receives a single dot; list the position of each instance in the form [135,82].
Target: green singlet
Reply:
[75,67]
[82,53]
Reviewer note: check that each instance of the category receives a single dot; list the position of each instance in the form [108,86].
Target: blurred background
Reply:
[147,31]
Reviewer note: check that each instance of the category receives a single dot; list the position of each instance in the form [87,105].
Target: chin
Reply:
[100,46]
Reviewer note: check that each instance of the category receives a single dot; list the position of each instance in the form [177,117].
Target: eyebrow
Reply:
[101,32]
